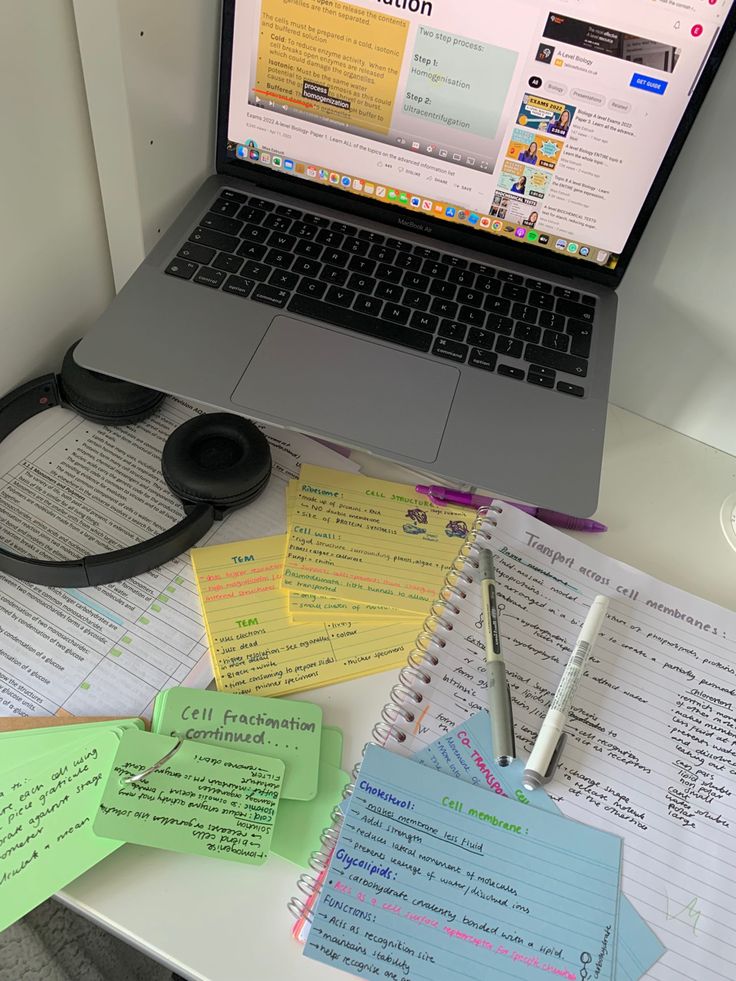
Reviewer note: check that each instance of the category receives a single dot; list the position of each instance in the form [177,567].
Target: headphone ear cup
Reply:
[218,459]
[102,399]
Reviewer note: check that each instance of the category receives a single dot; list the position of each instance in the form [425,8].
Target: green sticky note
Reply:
[287,730]
[46,814]
[331,747]
[205,800]
[299,823]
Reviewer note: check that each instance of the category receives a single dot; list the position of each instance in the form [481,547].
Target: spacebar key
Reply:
[360,322]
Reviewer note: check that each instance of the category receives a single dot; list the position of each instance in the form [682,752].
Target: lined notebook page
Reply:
[650,753]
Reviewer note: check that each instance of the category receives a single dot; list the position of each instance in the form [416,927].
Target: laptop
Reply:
[420,214]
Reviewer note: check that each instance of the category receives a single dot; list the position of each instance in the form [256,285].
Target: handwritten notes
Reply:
[255,647]
[467,754]
[46,811]
[370,541]
[650,748]
[427,875]
[205,801]
[290,731]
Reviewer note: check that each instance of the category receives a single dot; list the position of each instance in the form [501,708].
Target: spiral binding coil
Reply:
[404,696]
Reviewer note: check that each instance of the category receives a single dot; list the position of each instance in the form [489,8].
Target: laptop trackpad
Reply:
[354,390]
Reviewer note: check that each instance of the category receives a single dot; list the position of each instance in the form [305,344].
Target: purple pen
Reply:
[445,495]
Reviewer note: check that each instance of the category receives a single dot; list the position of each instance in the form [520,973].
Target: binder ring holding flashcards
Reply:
[404,697]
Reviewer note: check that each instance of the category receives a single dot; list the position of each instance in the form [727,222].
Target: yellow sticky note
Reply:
[257,650]
[368,541]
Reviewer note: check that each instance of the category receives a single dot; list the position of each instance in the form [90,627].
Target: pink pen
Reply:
[445,495]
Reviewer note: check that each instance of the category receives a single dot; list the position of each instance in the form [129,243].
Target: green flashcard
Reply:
[299,823]
[205,800]
[46,813]
[331,747]
[20,748]
[287,730]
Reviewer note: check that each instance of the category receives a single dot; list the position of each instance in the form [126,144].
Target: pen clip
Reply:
[555,759]
[511,717]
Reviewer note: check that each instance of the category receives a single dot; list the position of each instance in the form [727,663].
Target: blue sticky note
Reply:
[432,879]
[466,752]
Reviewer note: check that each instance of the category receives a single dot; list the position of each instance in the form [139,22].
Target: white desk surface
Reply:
[218,921]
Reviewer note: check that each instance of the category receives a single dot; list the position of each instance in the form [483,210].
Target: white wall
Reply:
[675,356]
[55,274]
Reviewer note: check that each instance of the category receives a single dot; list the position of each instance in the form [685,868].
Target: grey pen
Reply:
[499,692]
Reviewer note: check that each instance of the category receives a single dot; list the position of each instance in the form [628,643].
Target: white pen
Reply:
[549,743]
[499,692]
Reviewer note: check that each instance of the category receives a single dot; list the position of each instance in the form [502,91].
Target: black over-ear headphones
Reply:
[213,463]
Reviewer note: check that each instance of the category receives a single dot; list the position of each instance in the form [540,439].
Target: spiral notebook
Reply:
[648,755]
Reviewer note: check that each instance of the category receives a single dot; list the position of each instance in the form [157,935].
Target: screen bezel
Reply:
[489,244]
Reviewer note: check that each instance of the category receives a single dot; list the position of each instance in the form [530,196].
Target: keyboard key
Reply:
[509,277]
[539,285]
[311,249]
[252,233]
[306,267]
[435,270]
[424,253]
[280,240]
[510,371]
[444,308]
[482,338]
[391,274]
[399,244]
[220,223]
[214,240]
[289,212]
[456,261]
[196,253]
[453,330]
[589,301]
[361,283]
[415,281]
[340,296]
[528,332]
[566,294]
[569,389]
[496,304]
[271,295]
[311,287]
[509,346]
[276,257]
[238,285]
[255,270]
[539,369]
[439,287]
[542,380]
[302,230]
[370,236]
[576,310]
[553,320]
[368,304]
[210,277]
[424,321]
[335,257]
[224,206]
[283,280]
[382,253]
[250,250]
[469,297]
[318,220]
[395,313]
[329,237]
[277,223]
[407,261]
[483,270]
[556,340]
[334,275]
[361,323]
[389,291]
[343,229]
[230,263]
[355,246]
[472,315]
[253,215]
[501,325]
[231,195]
[360,264]
[545,301]
[416,300]
[262,203]
[461,277]
[515,292]
[522,311]
[486,284]
[182,268]
[557,360]
[452,350]
[580,334]
[482,359]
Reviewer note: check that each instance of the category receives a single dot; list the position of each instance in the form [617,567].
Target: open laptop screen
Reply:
[543,123]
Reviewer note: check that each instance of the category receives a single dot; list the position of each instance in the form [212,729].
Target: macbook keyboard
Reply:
[411,295]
